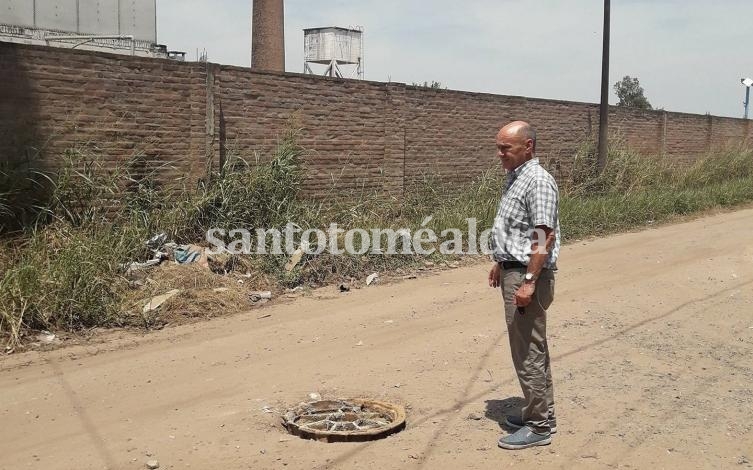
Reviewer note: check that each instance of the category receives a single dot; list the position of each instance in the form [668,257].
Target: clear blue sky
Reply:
[688,54]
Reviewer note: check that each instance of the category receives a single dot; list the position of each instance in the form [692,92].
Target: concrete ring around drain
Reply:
[351,420]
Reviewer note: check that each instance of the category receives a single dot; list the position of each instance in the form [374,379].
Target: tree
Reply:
[630,93]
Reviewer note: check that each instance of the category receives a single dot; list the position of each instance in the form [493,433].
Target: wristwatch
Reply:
[529,277]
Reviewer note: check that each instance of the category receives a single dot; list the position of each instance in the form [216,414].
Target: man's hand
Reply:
[524,294]
[494,275]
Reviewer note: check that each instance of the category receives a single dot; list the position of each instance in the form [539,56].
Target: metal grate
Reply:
[344,420]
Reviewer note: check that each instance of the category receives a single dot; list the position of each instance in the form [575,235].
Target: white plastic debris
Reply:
[156,241]
[260,295]
[46,337]
[372,278]
[297,256]
[157,301]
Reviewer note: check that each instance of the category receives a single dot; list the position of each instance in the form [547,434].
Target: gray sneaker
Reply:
[524,438]
[516,422]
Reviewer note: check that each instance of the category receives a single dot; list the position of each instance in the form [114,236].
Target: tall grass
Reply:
[65,270]
[244,194]
[635,190]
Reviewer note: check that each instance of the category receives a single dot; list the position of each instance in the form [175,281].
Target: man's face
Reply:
[512,149]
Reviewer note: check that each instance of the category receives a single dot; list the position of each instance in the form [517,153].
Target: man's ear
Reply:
[529,145]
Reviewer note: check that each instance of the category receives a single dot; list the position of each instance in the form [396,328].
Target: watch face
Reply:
[529,276]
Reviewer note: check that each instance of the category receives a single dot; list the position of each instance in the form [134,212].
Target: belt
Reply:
[513,265]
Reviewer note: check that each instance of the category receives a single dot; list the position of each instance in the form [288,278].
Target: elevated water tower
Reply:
[334,47]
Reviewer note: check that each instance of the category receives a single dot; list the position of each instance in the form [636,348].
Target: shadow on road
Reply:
[496,410]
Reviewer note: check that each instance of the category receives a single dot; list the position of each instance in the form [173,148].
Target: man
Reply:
[525,245]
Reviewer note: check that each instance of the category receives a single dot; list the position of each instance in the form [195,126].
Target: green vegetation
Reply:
[65,269]
[630,93]
[634,191]
[434,85]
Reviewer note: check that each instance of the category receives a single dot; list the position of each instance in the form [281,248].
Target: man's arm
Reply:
[494,274]
[542,244]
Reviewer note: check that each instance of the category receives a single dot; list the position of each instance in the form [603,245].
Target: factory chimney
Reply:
[268,35]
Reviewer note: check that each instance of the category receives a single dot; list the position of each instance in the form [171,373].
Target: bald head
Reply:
[516,143]
[520,129]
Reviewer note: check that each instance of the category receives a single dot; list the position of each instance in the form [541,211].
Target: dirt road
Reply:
[651,334]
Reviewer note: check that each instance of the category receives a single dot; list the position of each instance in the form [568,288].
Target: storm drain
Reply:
[344,420]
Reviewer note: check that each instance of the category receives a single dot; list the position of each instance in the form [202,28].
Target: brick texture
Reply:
[184,118]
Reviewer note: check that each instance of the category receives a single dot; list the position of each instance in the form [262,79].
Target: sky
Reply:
[689,55]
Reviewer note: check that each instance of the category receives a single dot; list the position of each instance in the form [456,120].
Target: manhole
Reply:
[344,420]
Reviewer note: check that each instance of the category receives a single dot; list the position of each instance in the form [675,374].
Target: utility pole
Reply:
[601,159]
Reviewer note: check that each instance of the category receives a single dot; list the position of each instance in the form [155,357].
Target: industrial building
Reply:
[118,26]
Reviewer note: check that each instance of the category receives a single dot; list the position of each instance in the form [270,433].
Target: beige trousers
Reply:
[530,352]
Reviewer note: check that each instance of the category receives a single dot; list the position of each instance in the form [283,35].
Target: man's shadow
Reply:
[497,410]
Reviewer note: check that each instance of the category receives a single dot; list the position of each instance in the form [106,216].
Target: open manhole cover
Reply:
[344,420]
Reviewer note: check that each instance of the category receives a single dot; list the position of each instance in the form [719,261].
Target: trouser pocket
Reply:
[545,290]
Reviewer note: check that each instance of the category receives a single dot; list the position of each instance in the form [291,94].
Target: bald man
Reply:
[525,245]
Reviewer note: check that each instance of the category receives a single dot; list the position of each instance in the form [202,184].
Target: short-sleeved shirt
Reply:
[530,200]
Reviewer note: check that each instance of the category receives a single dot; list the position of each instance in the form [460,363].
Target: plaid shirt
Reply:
[531,199]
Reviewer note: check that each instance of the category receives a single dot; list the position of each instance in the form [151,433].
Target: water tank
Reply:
[323,45]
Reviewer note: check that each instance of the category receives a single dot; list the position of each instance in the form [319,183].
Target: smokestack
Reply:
[268,35]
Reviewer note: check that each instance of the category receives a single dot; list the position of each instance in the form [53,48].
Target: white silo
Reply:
[119,26]
[334,47]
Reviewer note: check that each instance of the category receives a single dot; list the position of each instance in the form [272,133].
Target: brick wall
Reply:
[120,105]
[184,117]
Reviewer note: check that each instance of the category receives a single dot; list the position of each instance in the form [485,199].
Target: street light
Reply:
[747,82]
